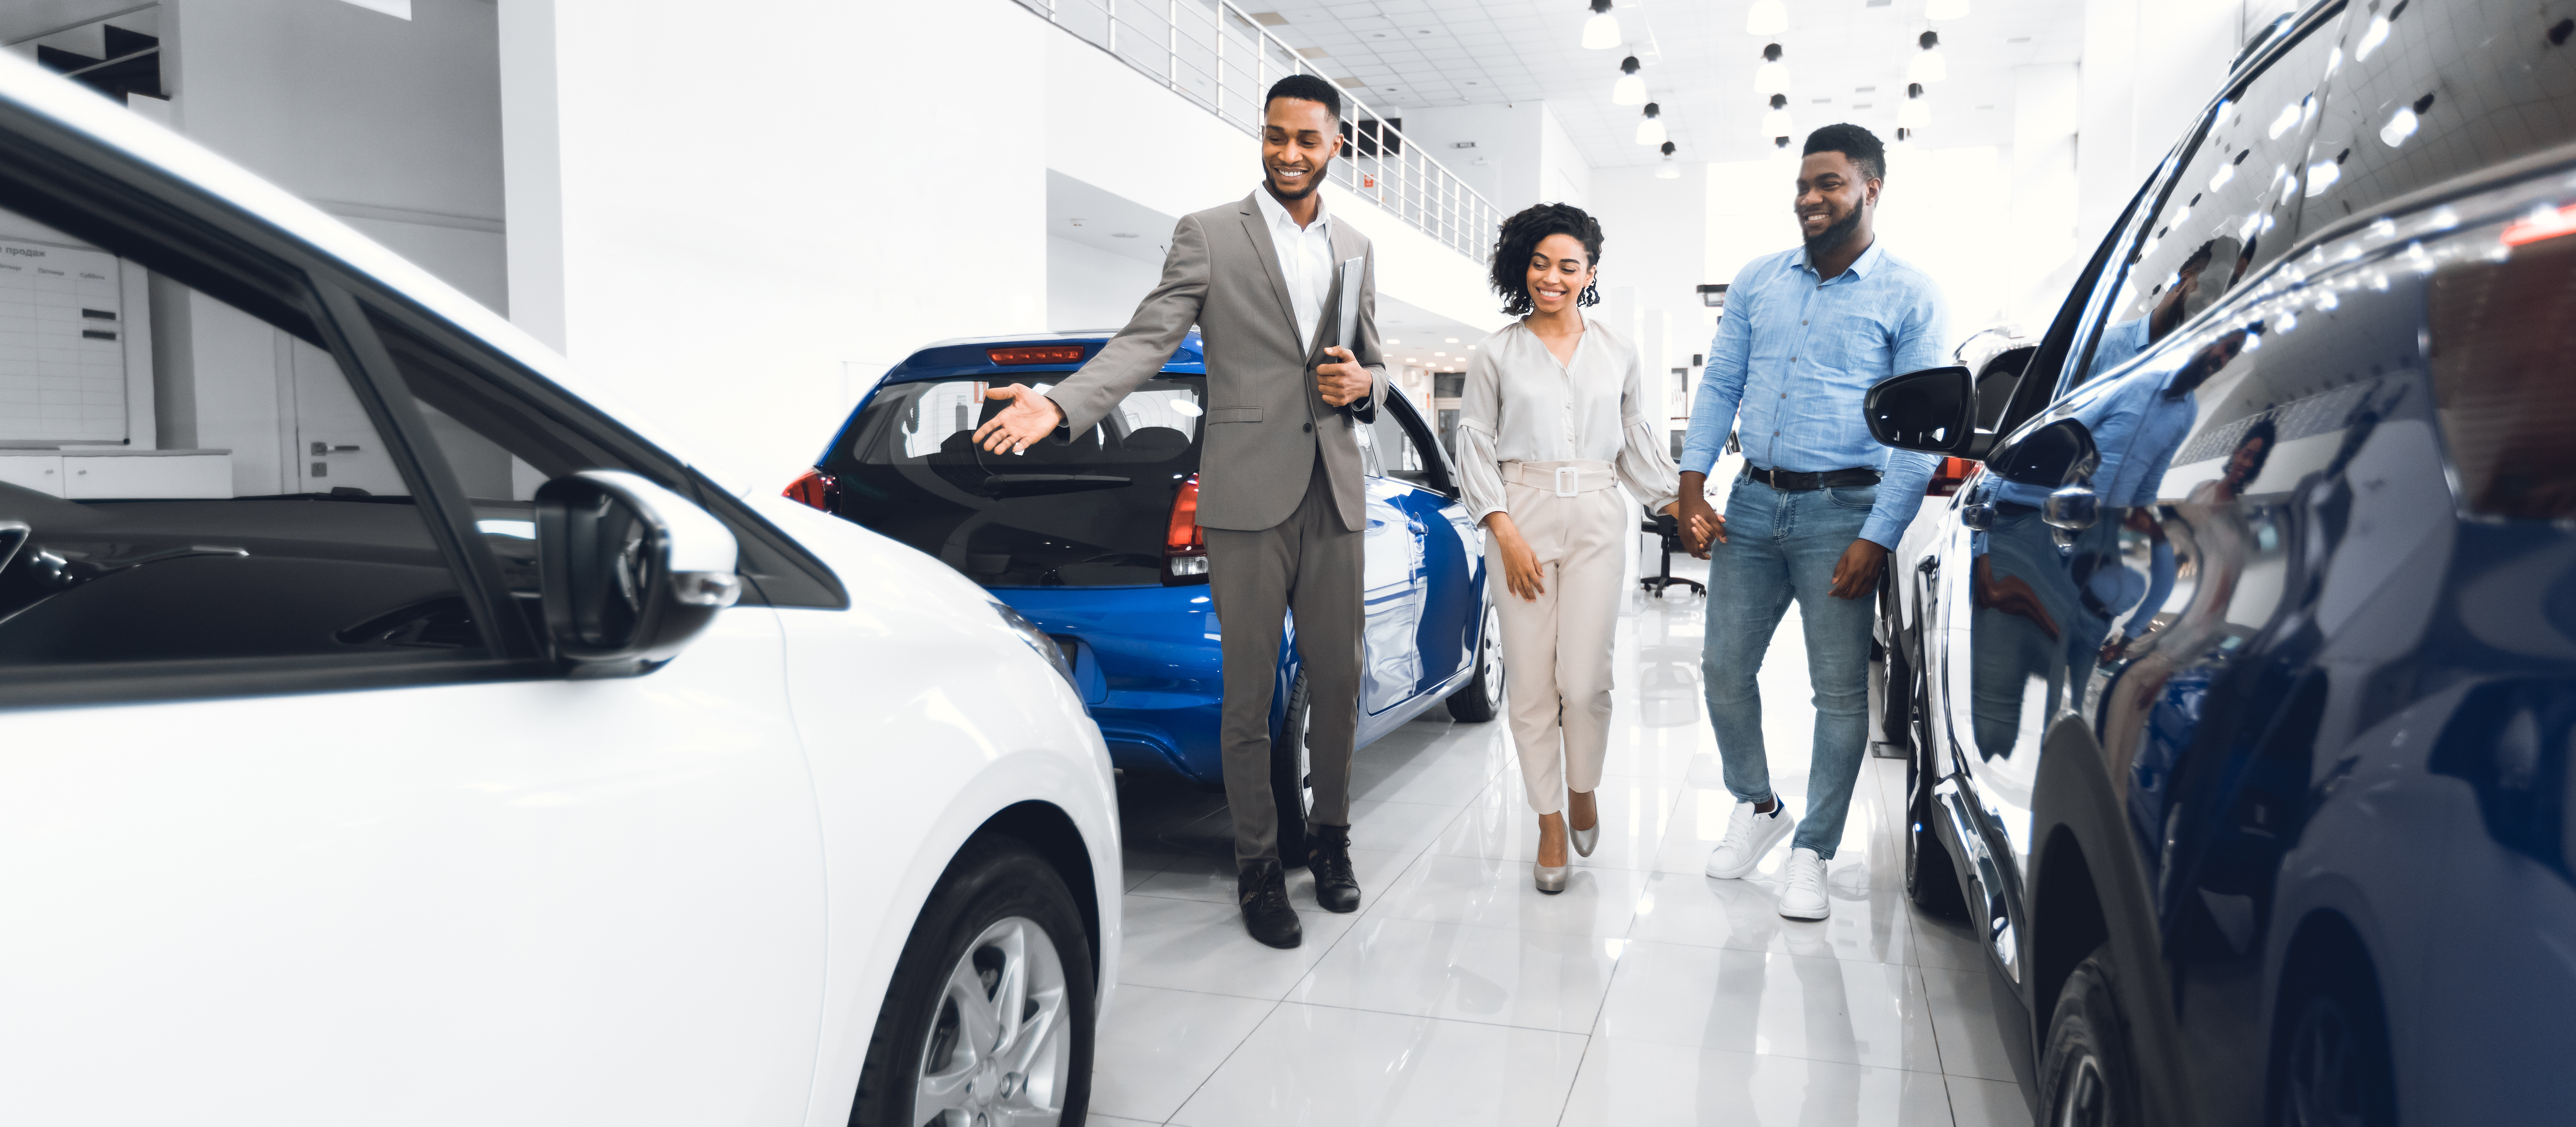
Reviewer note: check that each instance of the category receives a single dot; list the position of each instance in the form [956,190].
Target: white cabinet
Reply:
[42,472]
[158,474]
[87,475]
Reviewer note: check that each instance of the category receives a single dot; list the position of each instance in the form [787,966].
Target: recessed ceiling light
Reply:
[1453,340]
[1985,107]
[1860,105]
[1313,52]
[1269,19]
[1864,89]
[2018,39]
[1122,234]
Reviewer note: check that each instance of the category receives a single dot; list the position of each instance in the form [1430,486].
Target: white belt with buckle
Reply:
[1568,481]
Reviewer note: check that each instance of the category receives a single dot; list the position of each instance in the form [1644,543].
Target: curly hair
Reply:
[1519,240]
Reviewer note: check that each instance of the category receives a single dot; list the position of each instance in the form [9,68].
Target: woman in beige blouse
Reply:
[1553,419]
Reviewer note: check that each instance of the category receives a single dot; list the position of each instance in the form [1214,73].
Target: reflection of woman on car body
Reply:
[1554,415]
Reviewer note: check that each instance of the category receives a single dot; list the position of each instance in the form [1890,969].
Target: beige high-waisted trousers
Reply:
[1557,650]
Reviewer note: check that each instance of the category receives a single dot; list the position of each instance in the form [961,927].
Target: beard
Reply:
[1314,180]
[1840,231]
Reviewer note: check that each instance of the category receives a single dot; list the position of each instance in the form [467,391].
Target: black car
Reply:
[2240,680]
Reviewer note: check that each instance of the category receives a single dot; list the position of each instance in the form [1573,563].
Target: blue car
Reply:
[1094,541]
[2240,680]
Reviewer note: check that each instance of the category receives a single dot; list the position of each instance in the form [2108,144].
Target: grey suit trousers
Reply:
[1309,563]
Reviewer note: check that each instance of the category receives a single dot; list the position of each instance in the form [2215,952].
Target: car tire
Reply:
[2330,1057]
[1931,881]
[1482,697]
[1000,920]
[1292,780]
[2087,1076]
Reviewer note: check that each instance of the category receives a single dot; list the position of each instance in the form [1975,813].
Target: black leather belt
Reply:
[1793,482]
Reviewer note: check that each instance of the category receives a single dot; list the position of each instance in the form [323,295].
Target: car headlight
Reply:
[1039,641]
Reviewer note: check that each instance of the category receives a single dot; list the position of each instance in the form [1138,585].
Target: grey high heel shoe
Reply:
[1550,880]
[1584,840]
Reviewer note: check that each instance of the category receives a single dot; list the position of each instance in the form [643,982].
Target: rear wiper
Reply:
[1039,484]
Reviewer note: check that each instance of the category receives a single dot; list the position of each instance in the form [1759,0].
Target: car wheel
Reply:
[2332,1060]
[989,1017]
[1930,880]
[1292,776]
[1482,698]
[2086,1076]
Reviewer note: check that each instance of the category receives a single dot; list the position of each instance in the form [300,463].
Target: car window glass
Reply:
[1091,512]
[2432,89]
[2230,209]
[184,480]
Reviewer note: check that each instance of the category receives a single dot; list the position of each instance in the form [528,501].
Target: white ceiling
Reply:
[1697,62]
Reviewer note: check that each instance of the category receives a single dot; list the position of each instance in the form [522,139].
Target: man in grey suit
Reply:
[1280,492]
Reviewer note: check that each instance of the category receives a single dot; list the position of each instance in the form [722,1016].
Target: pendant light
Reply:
[1904,138]
[1630,90]
[1650,132]
[1666,169]
[1928,66]
[1776,123]
[1946,10]
[1772,77]
[1916,113]
[1602,30]
[1768,17]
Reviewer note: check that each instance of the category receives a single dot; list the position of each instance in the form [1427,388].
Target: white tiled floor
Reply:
[1646,993]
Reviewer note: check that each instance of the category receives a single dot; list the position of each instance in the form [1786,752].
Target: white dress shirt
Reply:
[1522,405]
[1305,259]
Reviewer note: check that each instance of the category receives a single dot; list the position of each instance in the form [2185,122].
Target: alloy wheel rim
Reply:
[999,1045]
[2084,1100]
[1493,657]
[2322,1089]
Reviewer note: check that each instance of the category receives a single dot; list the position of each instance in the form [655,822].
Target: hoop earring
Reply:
[1591,294]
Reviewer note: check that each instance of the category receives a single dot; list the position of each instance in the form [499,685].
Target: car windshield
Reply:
[1092,512]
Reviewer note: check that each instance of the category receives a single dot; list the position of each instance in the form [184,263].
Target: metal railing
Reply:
[1209,52]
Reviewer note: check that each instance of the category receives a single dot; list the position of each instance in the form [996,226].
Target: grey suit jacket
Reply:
[1266,424]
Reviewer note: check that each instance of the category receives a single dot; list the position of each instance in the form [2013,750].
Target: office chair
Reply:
[1671,530]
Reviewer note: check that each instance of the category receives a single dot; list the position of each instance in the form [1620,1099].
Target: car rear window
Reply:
[1089,513]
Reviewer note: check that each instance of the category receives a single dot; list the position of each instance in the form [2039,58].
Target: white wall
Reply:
[1095,107]
[1527,155]
[2048,245]
[744,236]
[1090,288]
[1654,256]
[2149,67]
[395,125]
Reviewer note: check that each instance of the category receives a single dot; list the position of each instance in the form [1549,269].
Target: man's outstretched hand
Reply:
[1030,417]
[1342,382]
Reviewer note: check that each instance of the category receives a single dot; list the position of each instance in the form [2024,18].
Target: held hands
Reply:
[1343,382]
[1701,524]
[1030,417]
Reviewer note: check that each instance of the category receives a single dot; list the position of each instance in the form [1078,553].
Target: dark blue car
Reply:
[1094,541]
[2240,681]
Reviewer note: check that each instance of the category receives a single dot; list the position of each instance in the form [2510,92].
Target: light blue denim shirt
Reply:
[1792,359]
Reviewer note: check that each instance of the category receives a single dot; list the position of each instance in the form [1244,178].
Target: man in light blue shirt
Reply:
[1805,334]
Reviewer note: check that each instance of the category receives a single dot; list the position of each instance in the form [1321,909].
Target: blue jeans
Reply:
[1782,546]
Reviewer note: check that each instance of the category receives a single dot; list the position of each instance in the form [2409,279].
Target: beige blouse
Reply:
[1521,405]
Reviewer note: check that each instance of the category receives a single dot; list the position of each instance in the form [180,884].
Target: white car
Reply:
[388,733]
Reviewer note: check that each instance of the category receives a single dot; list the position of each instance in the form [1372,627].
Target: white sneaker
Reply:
[1802,887]
[1749,836]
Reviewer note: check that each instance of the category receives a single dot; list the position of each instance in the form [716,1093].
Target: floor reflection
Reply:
[1647,993]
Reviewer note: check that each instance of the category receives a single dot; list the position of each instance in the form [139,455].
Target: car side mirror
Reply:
[631,571]
[2061,453]
[1933,411]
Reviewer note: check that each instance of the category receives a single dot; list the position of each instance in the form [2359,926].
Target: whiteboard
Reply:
[62,352]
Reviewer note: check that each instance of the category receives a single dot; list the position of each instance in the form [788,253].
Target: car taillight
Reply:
[816,488]
[1184,542]
[1951,474]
